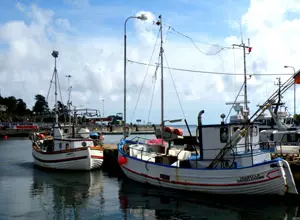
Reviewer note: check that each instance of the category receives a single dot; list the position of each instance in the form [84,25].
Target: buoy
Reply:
[178,131]
[122,160]
[5,137]
[169,129]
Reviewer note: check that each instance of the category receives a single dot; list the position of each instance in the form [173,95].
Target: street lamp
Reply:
[142,17]
[294,89]
[103,107]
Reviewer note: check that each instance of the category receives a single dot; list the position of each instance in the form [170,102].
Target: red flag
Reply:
[249,49]
[297,79]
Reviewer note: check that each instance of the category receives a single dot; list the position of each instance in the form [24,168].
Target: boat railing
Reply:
[139,139]
[282,149]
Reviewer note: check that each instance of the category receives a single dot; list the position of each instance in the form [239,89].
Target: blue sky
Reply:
[89,17]
[89,36]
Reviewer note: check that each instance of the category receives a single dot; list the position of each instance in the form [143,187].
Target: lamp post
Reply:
[294,88]
[103,107]
[142,17]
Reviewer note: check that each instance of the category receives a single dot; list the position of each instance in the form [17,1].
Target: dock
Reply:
[107,130]
[110,163]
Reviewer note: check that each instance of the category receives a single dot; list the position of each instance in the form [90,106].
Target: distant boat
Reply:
[70,147]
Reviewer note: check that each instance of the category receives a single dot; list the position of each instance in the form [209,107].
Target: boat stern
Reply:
[290,182]
[96,157]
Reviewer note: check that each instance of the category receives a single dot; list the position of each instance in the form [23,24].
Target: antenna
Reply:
[241,31]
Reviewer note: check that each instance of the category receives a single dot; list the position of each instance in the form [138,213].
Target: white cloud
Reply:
[96,63]
[64,24]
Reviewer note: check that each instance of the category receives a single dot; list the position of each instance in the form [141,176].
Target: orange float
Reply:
[178,131]
[169,129]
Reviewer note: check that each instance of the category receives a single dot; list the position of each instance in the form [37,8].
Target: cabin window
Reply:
[223,134]
[83,144]
[60,145]
[291,138]
[271,137]
[66,130]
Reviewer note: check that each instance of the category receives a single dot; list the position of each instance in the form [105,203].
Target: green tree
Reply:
[41,105]
[62,111]
[297,119]
[11,104]
[21,108]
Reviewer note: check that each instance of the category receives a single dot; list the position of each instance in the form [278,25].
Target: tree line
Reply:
[18,111]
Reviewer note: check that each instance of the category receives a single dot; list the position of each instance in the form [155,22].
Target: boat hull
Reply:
[265,178]
[81,159]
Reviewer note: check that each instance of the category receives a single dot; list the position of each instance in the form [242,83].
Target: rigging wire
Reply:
[153,89]
[212,72]
[234,69]
[234,101]
[145,76]
[175,87]
[195,45]
[155,77]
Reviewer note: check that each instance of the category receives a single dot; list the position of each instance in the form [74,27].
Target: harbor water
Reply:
[28,192]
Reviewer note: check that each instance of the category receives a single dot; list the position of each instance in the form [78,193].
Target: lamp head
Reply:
[142,17]
[55,54]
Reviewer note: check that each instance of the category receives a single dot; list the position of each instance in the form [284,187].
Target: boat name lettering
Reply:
[250,178]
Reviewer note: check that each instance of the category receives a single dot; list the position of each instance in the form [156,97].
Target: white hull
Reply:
[258,179]
[86,159]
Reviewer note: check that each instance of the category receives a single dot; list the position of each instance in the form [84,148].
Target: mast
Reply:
[69,97]
[55,55]
[279,96]
[246,110]
[159,22]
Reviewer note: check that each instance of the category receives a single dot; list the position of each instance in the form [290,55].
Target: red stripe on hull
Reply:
[199,184]
[96,157]
[60,160]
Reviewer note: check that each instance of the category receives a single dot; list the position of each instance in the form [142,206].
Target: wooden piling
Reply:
[110,160]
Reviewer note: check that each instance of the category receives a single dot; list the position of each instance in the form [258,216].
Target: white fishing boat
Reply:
[69,147]
[229,161]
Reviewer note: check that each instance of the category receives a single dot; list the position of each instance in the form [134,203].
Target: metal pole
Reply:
[294,88]
[294,94]
[55,79]
[125,62]
[162,79]
[245,81]
[103,107]
[142,17]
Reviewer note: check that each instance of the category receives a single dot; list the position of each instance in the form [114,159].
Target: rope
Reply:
[213,73]
[175,87]
[195,45]
[145,76]
[151,100]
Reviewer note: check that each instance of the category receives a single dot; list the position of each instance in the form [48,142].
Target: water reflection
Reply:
[67,194]
[147,202]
